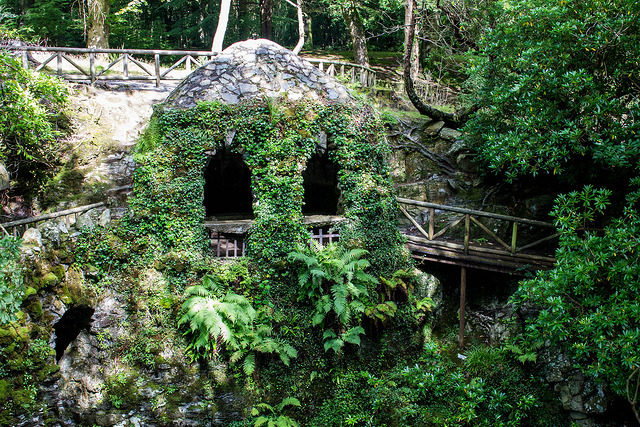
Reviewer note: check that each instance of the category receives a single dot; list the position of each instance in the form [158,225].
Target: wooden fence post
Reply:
[514,238]
[92,67]
[463,297]
[157,67]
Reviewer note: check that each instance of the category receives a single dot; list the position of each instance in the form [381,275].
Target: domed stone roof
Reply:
[256,68]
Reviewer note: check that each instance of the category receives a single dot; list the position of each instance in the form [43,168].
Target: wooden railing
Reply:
[145,64]
[478,240]
[69,216]
[136,64]
[353,73]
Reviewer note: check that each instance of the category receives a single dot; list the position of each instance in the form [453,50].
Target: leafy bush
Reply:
[588,304]
[559,88]
[489,389]
[30,112]
[272,416]
[11,287]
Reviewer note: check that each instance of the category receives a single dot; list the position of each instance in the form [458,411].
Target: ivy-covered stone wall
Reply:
[275,140]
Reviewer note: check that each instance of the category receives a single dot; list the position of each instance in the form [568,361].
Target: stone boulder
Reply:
[4,178]
[255,69]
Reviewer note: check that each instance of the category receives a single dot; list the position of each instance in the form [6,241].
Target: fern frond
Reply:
[249,365]
[288,401]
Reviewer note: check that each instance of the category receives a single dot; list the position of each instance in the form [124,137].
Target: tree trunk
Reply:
[415,53]
[223,19]
[358,38]
[98,32]
[266,19]
[298,47]
[453,120]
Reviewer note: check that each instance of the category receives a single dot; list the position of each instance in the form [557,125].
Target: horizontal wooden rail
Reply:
[475,212]
[364,75]
[83,51]
[14,225]
[442,244]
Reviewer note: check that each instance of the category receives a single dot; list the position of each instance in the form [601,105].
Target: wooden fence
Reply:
[145,64]
[136,64]
[353,73]
[478,240]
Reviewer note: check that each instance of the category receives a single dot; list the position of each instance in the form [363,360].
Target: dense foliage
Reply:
[487,389]
[560,88]
[560,97]
[11,286]
[30,114]
[589,302]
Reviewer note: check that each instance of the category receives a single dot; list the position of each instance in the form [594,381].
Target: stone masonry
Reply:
[253,69]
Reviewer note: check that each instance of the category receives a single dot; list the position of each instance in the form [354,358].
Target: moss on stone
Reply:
[49,280]
[34,308]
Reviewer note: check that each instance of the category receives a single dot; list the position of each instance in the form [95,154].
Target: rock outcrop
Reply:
[254,69]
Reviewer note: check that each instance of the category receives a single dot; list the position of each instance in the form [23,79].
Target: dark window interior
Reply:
[227,188]
[320,182]
[74,320]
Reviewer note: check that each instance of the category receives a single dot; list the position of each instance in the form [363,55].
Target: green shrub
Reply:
[30,112]
[11,286]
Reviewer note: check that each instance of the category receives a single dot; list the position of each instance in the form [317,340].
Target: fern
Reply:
[334,280]
[272,416]
[230,321]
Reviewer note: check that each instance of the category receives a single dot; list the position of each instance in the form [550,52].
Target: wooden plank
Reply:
[140,65]
[110,65]
[481,250]
[432,220]
[467,232]
[156,59]
[414,222]
[80,50]
[173,67]
[59,64]
[92,67]
[473,259]
[490,233]
[75,65]
[474,212]
[42,65]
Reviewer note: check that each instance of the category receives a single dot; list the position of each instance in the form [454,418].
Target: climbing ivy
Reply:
[275,140]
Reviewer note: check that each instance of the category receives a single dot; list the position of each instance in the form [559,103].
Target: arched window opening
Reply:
[320,182]
[67,329]
[227,187]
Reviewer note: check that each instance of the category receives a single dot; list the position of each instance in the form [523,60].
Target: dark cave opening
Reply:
[320,183]
[227,187]
[69,326]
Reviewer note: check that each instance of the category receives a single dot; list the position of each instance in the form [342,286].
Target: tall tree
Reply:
[452,119]
[223,20]
[353,20]
[98,31]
